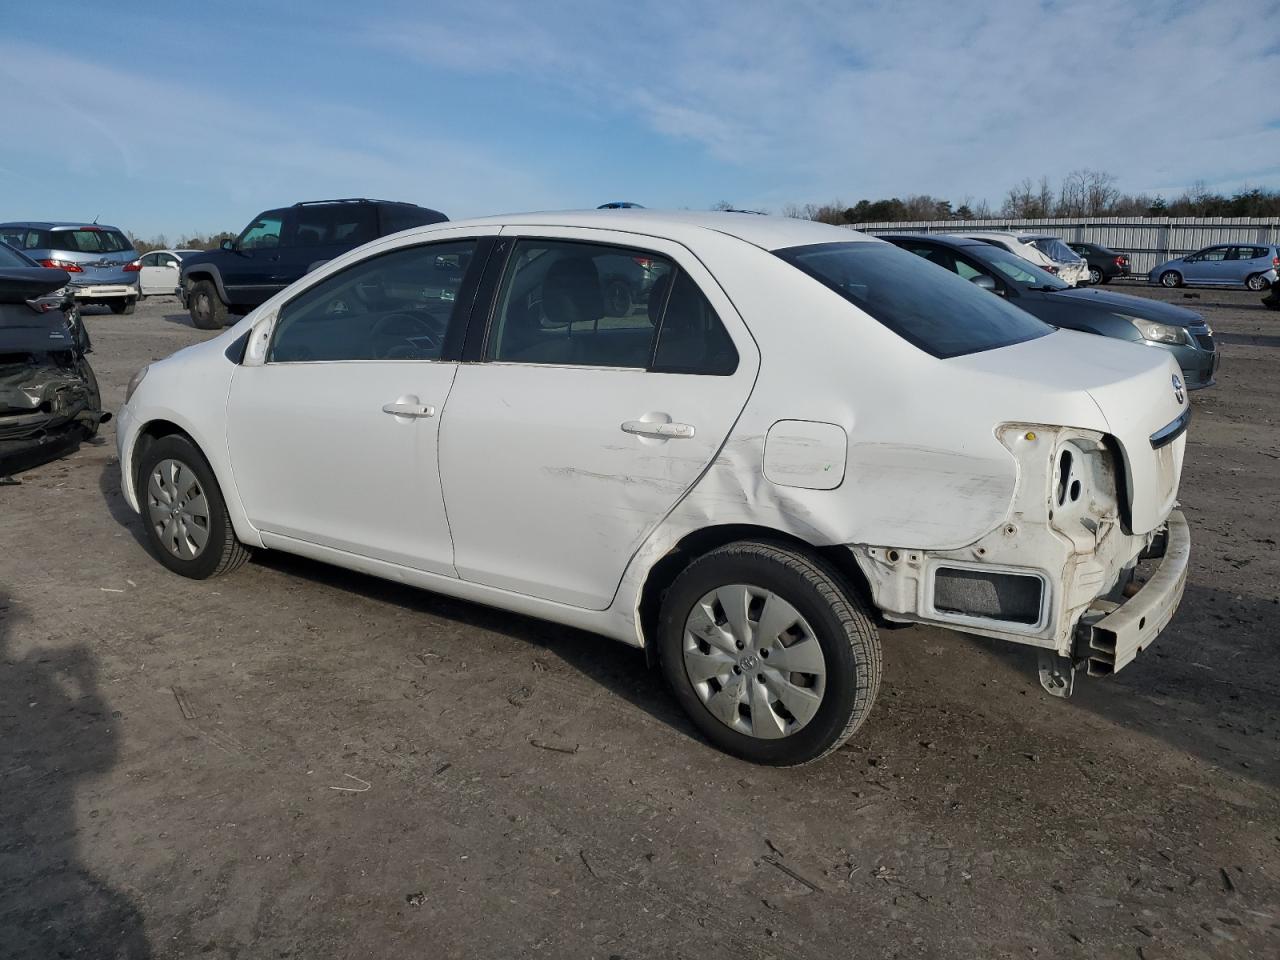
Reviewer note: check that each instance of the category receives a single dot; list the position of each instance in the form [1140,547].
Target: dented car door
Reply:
[590,410]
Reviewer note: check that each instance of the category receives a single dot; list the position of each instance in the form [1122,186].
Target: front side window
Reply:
[263,233]
[396,306]
[347,223]
[935,310]
[1213,254]
[577,303]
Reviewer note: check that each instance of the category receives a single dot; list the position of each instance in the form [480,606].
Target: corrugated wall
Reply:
[1147,240]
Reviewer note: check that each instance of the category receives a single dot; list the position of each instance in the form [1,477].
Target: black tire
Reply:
[844,631]
[1257,283]
[222,551]
[95,395]
[1171,278]
[126,308]
[1095,276]
[207,310]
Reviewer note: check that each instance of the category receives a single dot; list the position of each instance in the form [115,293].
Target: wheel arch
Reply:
[206,271]
[159,427]
[663,573]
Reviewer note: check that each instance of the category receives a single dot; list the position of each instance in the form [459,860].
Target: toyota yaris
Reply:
[802,433]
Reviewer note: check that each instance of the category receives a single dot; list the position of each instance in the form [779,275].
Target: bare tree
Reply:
[1026,201]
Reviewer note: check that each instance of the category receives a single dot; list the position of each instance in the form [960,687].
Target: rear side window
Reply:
[341,223]
[935,310]
[8,258]
[397,306]
[577,303]
[89,240]
[586,304]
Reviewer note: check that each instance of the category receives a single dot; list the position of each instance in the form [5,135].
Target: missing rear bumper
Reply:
[1113,634]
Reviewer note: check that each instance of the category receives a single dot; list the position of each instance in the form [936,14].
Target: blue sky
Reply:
[173,118]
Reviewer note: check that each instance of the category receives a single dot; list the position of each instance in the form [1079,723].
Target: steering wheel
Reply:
[410,328]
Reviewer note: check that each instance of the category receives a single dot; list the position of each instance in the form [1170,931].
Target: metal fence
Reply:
[1147,240]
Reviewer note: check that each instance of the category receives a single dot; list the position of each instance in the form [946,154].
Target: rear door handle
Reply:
[420,410]
[658,431]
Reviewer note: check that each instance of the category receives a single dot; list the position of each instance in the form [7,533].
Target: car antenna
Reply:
[95,218]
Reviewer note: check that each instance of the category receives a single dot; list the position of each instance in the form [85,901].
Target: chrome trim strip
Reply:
[1167,434]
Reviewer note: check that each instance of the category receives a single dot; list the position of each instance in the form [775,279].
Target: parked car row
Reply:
[1183,333]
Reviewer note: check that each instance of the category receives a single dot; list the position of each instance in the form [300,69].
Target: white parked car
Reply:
[1071,268]
[158,273]
[790,434]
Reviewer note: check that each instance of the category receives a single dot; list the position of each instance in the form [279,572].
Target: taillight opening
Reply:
[133,267]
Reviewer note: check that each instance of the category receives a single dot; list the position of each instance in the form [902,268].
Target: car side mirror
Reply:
[255,351]
[985,282]
[227,245]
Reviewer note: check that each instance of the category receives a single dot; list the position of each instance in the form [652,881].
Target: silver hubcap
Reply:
[1256,283]
[754,661]
[1170,279]
[178,509]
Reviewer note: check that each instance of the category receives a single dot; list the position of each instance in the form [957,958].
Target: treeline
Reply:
[1082,193]
[194,241]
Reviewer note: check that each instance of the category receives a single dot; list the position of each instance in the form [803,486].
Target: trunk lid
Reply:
[101,253]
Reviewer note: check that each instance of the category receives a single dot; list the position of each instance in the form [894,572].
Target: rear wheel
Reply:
[1257,282]
[770,652]
[207,310]
[1171,278]
[1095,276]
[126,307]
[185,516]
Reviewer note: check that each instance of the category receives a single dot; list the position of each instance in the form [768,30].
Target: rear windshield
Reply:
[1054,249]
[10,258]
[89,240]
[926,305]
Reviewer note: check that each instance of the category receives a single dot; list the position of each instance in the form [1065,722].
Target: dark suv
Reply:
[279,246]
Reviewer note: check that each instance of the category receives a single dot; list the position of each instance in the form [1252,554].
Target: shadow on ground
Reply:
[56,729]
[1207,686]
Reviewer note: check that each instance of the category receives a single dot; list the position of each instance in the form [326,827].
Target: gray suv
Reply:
[100,259]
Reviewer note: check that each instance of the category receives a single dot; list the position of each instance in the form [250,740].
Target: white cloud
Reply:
[230,159]
[832,98]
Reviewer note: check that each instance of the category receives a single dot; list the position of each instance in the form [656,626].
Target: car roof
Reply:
[1002,234]
[947,239]
[766,232]
[55,224]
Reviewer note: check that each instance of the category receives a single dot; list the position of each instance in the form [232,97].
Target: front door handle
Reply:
[403,409]
[657,430]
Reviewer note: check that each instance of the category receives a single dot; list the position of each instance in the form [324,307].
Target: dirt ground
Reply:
[297,761]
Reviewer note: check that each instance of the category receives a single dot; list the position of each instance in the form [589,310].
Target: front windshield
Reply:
[1020,271]
[929,307]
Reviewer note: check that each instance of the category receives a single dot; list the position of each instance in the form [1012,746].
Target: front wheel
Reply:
[1171,278]
[770,652]
[183,511]
[1257,282]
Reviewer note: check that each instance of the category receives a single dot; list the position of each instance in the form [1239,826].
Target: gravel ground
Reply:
[297,761]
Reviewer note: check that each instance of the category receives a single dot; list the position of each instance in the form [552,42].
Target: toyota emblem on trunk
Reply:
[1177,388]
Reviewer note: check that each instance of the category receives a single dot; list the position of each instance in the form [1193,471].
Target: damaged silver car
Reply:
[49,398]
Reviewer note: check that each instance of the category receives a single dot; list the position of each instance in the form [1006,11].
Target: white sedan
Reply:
[158,271]
[786,434]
